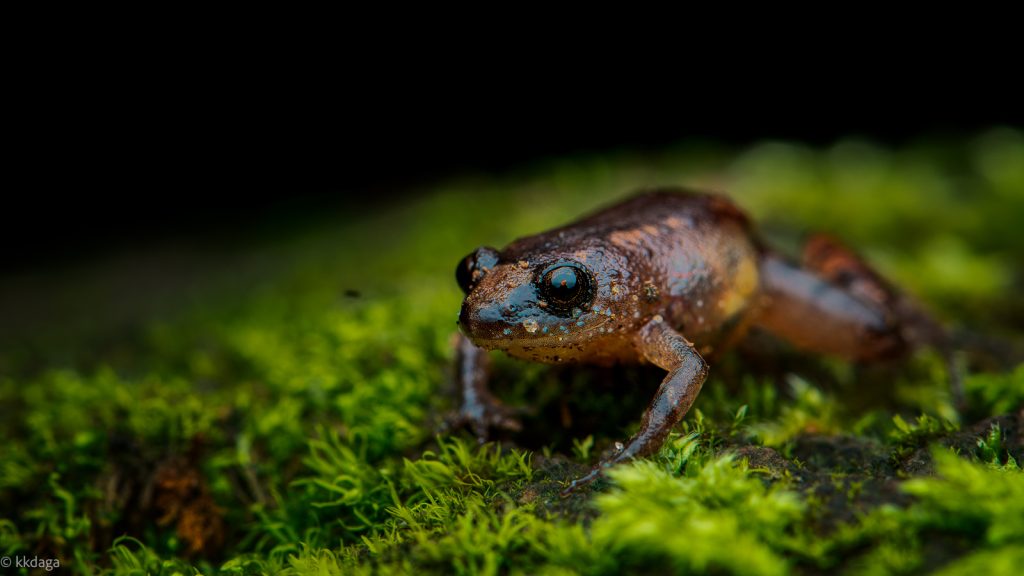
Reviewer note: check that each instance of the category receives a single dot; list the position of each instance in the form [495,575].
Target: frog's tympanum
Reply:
[670,277]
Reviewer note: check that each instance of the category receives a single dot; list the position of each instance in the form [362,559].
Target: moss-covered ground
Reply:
[277,410]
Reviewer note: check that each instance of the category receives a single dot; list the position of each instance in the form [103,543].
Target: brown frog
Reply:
[670,277]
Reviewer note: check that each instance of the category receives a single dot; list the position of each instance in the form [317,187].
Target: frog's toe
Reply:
[589,477]
[495,417]
[482,419]
[506,418]
[479,429]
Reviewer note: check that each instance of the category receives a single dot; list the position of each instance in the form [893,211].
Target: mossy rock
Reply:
[277,410]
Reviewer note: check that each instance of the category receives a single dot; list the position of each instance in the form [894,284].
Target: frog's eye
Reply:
[473,267]
[565,286]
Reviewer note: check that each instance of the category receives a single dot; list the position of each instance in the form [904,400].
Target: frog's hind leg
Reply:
[837,304]
[846,269]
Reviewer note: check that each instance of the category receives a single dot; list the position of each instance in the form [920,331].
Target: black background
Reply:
[93,177]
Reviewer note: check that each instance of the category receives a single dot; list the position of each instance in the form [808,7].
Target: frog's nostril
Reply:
[481,319]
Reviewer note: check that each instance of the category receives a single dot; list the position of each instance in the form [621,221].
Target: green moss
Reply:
[808,412]
[1005,561]
[907,438]
[696,522]
[996,393]
[281,425]
[985,503]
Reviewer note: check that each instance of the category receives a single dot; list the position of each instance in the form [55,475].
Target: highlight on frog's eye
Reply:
[743,352]
[564,286]
[561,284]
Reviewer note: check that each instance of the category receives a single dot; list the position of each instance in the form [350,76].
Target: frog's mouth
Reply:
[547,350]
[530,338]
[516,346]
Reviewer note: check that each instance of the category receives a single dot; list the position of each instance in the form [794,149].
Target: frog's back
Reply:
[656,205]
[678,208]
[689,257]
[699,253]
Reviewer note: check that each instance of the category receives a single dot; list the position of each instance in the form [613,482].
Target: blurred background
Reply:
[207,171]
[126,220]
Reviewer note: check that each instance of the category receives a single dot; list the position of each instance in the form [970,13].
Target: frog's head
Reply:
[531,308]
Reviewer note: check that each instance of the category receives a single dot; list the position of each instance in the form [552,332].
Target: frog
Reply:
[673,277]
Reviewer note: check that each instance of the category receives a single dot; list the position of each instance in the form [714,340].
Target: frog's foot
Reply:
[483,415]
[595,473]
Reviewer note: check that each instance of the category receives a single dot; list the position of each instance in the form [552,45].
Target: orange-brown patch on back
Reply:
[627,238]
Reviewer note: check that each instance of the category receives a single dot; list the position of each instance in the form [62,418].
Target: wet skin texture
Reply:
[670,277]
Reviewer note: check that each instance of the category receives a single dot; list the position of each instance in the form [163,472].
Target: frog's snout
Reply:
[464,319]
[476,320]
[496,306]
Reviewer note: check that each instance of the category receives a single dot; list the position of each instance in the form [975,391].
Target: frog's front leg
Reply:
[666,348]
[479,409]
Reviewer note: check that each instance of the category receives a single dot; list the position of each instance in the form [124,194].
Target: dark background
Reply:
[100,179]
